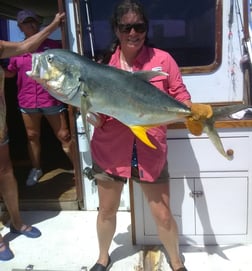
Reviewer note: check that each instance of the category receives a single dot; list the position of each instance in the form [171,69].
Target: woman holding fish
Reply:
[8,185]
[119,155]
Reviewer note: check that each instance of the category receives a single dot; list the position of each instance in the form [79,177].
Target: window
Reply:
[186,29]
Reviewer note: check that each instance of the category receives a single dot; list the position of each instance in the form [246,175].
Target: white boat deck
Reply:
[68,243]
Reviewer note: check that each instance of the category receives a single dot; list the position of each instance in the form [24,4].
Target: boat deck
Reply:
[68,243]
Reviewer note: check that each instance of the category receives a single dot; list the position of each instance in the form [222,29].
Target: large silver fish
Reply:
[128,97]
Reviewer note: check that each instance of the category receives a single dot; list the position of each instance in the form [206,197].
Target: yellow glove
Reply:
[200,112]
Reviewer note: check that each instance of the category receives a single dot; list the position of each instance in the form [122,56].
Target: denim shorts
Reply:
[51,110]
[163,177]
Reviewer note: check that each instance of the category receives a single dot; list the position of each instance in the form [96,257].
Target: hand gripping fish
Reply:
[128,97]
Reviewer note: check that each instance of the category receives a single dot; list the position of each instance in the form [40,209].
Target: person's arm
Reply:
[9,74]
[188,103]
[9,48]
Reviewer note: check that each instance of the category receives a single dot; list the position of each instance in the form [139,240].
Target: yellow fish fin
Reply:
[140,132]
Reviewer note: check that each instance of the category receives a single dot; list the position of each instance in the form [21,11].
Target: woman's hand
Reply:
[95,119]
[59,17]
[200,112]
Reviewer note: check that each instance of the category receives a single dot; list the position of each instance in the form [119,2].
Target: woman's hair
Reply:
[121,9]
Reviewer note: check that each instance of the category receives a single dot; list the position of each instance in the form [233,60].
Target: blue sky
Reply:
[15,33]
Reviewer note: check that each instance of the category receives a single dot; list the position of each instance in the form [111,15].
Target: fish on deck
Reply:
[126,96]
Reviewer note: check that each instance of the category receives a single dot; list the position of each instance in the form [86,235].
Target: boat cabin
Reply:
[211,42]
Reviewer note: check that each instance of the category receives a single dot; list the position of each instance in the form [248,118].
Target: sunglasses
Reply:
[126,28]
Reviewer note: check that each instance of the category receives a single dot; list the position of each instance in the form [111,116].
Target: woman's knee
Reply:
[32,135]
[107,212]
[64,136]
[164,218]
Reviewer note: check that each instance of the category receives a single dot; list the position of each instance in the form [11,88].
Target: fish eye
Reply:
[50,58]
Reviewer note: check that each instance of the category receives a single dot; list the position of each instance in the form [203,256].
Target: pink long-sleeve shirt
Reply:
[112,144]
[30,93]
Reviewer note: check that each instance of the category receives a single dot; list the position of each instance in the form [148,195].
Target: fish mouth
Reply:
[51,77]
[38,72]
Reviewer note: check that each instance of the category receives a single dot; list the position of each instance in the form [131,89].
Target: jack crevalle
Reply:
[128,97]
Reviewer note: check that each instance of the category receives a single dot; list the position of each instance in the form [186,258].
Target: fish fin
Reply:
[147,75]
[212,133]
[84,111]
[225,111]
[140,132]
[205,123]
[197,127]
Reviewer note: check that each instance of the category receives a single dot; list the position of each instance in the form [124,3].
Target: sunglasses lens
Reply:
[140,28]
[126,28]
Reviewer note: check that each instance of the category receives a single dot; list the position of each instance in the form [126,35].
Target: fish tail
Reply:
[213,135]
[197,127]
[209,128]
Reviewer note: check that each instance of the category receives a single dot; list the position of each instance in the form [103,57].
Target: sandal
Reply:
[180,269]
[100,267]
[6,254]
[28,231]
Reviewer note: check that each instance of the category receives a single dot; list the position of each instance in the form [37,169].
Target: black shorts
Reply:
[163,177]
